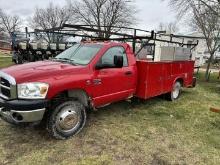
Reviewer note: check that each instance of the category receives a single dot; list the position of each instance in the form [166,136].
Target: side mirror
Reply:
[118,61]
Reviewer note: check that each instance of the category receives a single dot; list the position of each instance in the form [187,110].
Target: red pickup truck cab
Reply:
[87,75]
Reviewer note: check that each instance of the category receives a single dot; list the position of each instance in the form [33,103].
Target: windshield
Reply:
[80,54]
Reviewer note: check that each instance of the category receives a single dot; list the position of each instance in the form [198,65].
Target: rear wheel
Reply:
[46,57]
[31,58]
[20,59]
[66,120]
[176,91]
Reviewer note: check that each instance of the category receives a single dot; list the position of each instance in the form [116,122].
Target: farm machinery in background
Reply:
[26,49]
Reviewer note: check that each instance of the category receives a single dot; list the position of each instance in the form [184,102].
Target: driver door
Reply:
[113,84]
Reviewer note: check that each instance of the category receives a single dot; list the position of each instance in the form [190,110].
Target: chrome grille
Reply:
[7,86]
[5,82]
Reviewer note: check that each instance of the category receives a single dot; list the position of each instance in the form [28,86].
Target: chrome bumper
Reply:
[22,116]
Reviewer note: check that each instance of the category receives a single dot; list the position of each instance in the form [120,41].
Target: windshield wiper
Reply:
[61,59]
[64,60]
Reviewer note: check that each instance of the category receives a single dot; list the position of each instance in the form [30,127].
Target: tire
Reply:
[46,57]
[66,120]
[15,61]
[31,58]
[176,91]
[20,59]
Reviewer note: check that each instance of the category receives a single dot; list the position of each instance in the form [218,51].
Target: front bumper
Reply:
[22,111]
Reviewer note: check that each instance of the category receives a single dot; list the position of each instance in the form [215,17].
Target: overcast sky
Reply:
[151,12]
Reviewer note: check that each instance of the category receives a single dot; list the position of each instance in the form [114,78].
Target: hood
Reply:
[36,71]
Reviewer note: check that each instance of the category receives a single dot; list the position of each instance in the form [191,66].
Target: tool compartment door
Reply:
[150,79]
[155,79]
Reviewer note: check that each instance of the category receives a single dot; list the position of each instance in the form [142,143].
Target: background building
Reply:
[201,53]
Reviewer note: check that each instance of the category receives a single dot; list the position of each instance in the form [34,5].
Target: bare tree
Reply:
[185,6]
[212,5]
[50,17]
[168,27]
[205,19]
[8,23]
[108,13]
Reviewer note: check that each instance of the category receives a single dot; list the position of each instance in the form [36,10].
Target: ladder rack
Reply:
[122,34]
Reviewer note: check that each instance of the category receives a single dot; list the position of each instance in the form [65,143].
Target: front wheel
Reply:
[176,91]
[66,120]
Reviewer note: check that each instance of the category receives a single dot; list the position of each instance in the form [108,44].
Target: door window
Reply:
[108,57]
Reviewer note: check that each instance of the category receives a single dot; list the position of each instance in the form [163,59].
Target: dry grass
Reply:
[141,132]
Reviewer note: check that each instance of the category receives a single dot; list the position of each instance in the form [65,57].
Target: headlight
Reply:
[32,90]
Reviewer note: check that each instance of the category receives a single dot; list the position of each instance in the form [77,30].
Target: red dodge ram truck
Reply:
[87,75]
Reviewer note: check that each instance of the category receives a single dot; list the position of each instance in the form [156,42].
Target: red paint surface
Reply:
[156,78]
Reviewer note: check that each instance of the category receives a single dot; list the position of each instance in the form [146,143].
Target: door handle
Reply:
[97,81]
[128,73]
[103,72]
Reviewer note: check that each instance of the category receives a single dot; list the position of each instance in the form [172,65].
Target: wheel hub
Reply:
[67,120]
[176,91]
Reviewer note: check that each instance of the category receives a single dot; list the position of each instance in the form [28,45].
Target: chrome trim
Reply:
[28,116]
[8,77]
[3,96]
[12,88]
[31,116]
[6,116]
[3,86]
